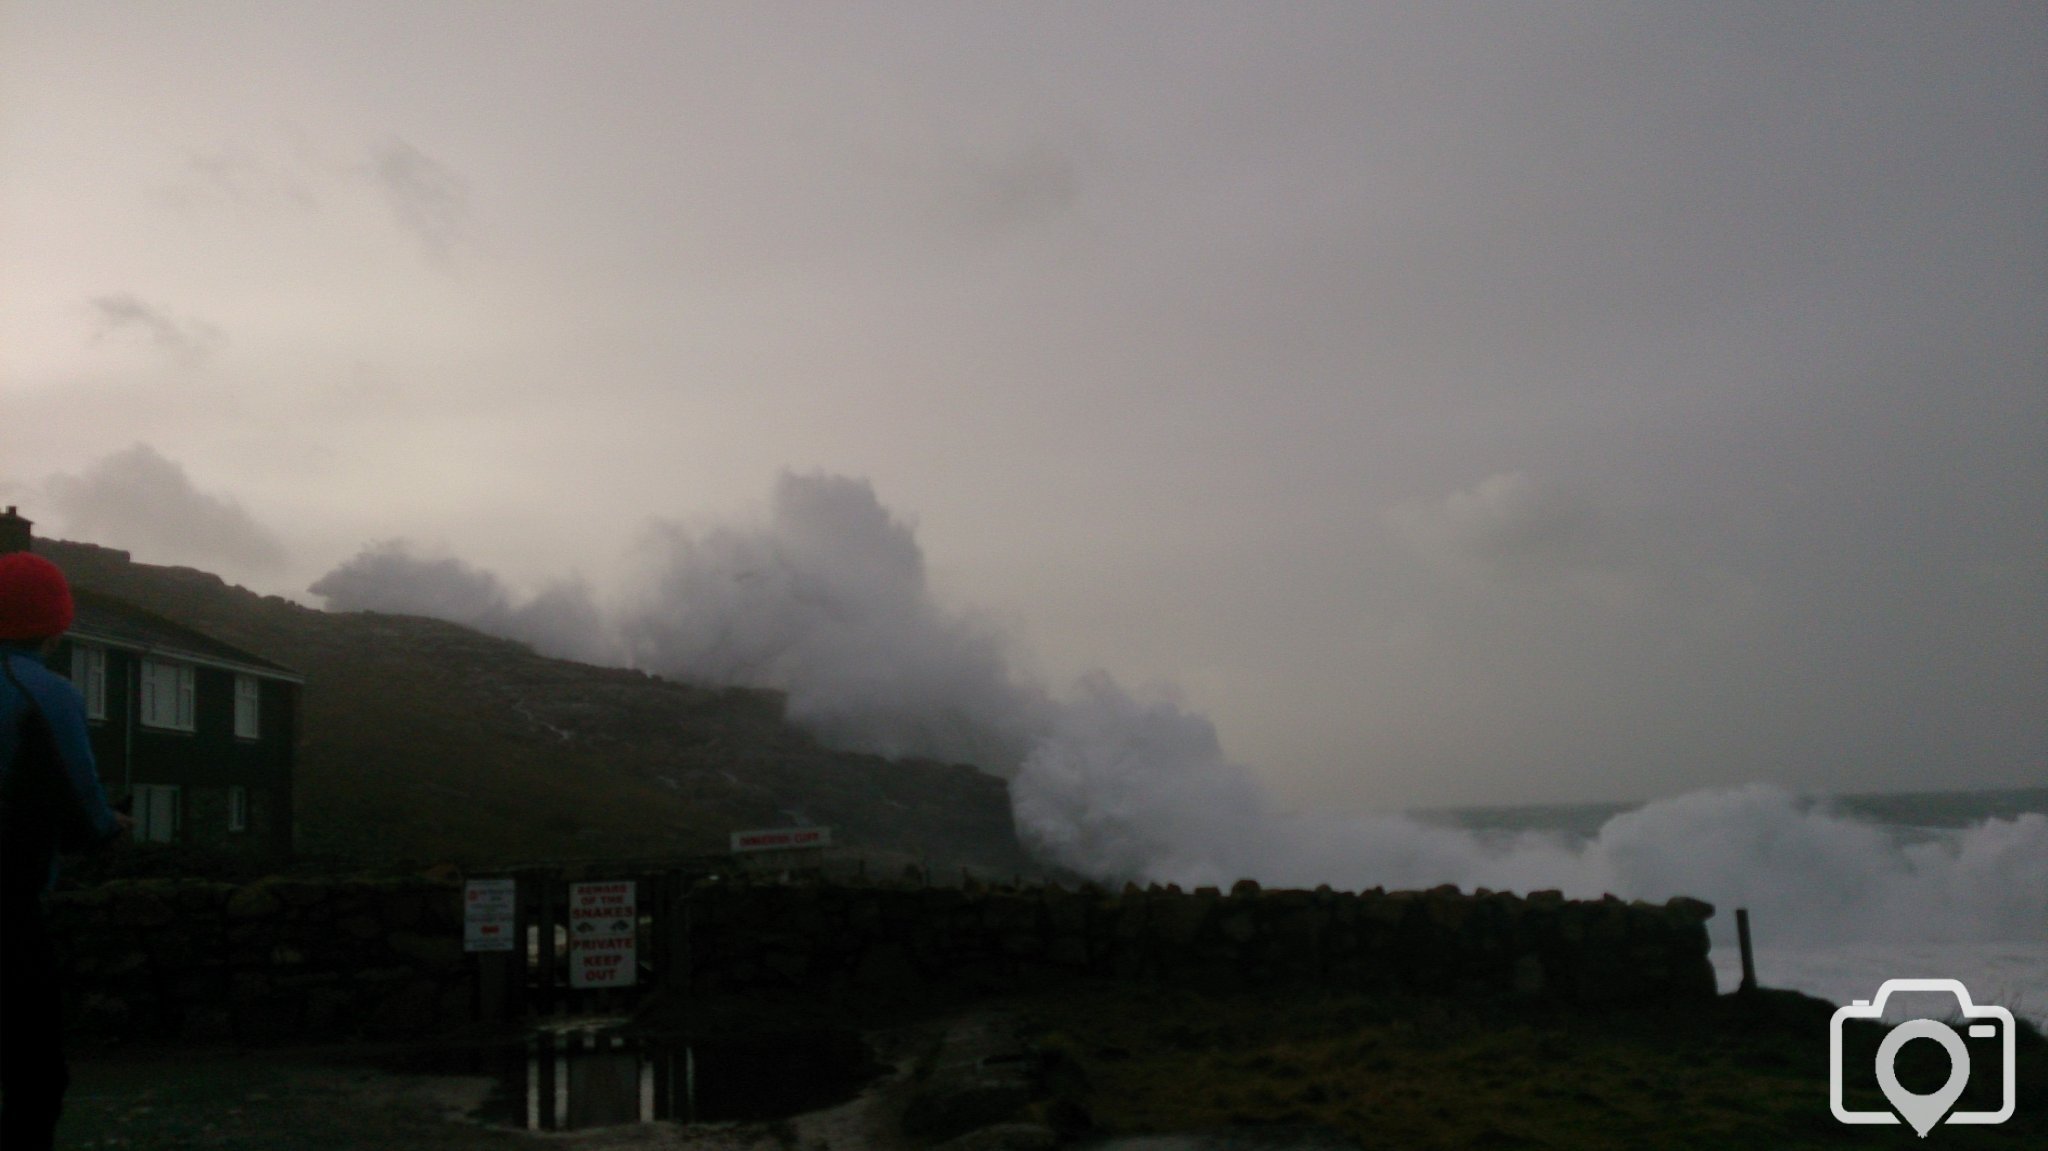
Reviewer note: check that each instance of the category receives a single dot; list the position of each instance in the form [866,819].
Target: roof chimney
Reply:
[14,532]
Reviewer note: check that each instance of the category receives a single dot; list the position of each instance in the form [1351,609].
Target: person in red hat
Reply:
[50,802]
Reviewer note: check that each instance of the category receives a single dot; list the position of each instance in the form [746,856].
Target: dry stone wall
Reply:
[760,937]
[272,960]
[296,958]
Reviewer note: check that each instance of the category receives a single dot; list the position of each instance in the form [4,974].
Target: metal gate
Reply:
[534,978]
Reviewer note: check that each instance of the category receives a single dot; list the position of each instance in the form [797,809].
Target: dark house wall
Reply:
[205,762]
[15,532]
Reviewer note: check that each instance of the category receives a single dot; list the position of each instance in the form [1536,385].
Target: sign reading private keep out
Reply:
[603,922]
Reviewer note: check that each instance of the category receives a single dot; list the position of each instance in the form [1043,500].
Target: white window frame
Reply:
[152,800]
[168,691]
[248,707]
[238,808]
[89,675]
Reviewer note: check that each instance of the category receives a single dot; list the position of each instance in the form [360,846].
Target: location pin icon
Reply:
[1923,1111]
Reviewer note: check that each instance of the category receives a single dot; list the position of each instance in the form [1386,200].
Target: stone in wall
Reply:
[284,957]
[1442,941]
[277,959]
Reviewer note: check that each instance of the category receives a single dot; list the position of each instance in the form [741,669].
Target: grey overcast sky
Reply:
[1455,402]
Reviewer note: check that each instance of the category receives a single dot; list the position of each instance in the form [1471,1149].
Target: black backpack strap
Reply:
[32,799]
[32,722]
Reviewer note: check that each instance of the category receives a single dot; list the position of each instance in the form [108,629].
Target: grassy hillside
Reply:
[1739,1072]
[428,741]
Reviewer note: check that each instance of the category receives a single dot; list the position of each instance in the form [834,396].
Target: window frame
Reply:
[238,808]
[89,676]
[248,707]
[183,684]
[143,812]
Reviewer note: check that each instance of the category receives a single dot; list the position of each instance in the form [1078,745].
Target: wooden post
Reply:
[553,1068]
[655,904]
[544,978]
[1742,940]
[494,985]
[675,929]
[519,1000]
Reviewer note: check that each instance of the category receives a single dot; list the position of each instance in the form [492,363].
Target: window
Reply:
[167,695]
[247,697]
[89,675]
[238,808]
[156,813]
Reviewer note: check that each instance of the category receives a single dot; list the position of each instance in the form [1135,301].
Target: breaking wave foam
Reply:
[1127,788]
[828,600]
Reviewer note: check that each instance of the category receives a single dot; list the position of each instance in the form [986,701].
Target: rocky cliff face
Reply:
[428,741]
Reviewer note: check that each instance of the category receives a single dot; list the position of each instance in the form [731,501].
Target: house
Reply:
[200,734]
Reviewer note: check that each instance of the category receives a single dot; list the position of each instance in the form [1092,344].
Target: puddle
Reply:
[569,1078]
[1275,1138]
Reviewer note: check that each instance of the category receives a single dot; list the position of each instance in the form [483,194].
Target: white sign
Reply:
[781,839]
[604,921]
[490,909]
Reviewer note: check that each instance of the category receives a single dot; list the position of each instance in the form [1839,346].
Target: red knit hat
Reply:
[35,600]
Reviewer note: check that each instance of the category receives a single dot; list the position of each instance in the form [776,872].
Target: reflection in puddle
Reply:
[594,1075]
[1275,1138]
[585,1079]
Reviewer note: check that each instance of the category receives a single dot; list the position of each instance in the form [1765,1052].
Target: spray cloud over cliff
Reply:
[828,601]
[563,620]
[827,598]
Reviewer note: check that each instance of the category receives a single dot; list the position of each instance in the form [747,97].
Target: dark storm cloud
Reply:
[139,500]
[124,316]
[1024,186]
[429,200]
[248,177]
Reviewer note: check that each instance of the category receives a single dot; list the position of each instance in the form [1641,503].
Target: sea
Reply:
[1844,892]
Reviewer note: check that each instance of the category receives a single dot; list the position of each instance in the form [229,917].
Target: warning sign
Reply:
[490,908]
[603,923]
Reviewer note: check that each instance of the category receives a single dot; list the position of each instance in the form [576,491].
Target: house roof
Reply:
[102,619]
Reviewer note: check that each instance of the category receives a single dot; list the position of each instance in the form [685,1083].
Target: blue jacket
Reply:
[49,806]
